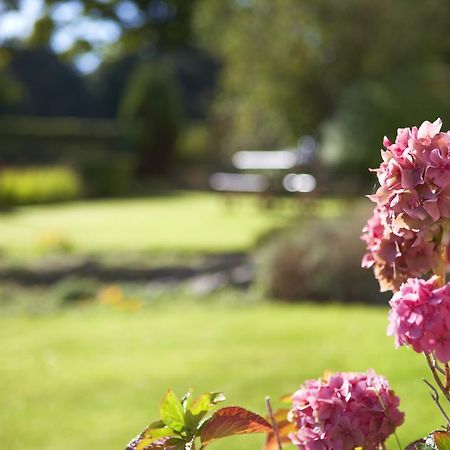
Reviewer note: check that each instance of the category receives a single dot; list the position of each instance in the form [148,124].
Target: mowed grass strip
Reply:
[93,379]
[182,222]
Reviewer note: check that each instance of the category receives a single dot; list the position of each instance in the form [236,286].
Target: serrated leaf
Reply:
[231,421]
[200,406]
[442,440]
[172,413]
[284,428]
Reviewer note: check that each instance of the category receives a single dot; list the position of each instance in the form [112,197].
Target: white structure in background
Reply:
[276,159]
[268,161]
[302,182]
[238,182]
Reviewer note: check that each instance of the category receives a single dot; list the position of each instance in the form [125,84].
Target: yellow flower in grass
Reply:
[114,296]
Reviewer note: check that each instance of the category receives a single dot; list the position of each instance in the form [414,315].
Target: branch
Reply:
[435,396]
[432,367]
[447,376]
[274,423]
[436,365]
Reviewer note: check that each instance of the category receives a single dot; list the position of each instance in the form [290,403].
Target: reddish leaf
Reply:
[442,440]
[231,421]
[284,428]
[272,444]
[280,415]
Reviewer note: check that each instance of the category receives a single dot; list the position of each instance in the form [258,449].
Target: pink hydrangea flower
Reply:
[414,178]
[420,317]
[344,411]
[396,258]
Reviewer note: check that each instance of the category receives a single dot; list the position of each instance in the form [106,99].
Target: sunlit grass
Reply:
[182,222]
[90,378]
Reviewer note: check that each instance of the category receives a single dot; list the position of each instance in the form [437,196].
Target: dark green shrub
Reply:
[107,174]
[75,289]
[151,116]
[19,186]
[193,145]
[319,260]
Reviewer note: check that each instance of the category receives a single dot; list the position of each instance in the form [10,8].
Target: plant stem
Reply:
[274,423]
[441,267]
[441,270]
[436,377]
[397,440]
[447,376]
[435,396]
[436,365]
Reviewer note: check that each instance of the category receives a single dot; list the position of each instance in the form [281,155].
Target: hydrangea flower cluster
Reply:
[344,411]
[420,317]
[396,258]
[414,178]
[403,237]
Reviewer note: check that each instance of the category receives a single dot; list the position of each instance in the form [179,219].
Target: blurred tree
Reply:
[36,82]
[289,65]
[109,83]
[142,24]
[194,72]
[372,108]
[11,91]
[151,115]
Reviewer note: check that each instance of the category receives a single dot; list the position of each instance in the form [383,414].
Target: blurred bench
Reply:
[238,182]
[271,172]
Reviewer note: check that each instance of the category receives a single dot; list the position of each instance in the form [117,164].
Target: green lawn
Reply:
[92,378]
[182,222]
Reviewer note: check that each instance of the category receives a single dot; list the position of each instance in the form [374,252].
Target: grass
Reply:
[93,378]
[179,223]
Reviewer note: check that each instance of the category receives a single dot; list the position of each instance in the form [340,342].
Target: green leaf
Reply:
[151,443]
[442,440]
[175,444]
[172,413]
[152,436]
[231,421]
[199,407]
